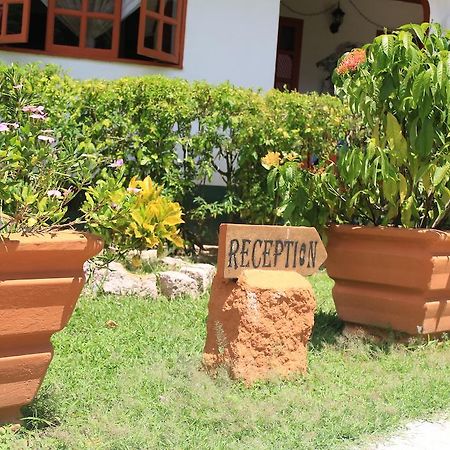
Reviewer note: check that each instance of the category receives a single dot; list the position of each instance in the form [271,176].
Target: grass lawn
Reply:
[139,385]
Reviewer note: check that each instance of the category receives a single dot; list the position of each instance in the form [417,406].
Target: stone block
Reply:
[115,279]
[173,263]
[147,256]
[176,284]
[259,327]
[203,274]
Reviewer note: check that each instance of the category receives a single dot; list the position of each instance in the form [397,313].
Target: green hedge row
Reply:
[176,131]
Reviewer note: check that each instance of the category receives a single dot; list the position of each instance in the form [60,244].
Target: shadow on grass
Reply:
[327,328]
[41,413]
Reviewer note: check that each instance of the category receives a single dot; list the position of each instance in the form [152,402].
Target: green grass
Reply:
[140,386]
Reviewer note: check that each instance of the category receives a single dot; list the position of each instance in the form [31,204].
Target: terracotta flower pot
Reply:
[391,277]
[41,278]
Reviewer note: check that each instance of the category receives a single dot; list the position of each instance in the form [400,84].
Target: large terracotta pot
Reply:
[41,278]
[391,277]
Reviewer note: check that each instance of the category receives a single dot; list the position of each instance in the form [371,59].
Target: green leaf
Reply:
[440,174]
[425,138]
[387,43]
[396,140]
[390,189]
[407,211]
[402,188]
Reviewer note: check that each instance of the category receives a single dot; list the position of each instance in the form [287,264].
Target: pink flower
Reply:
[18,86]
[4,126]
[33,109]
[117,163]
[38,116]
[54,193]
[48,139]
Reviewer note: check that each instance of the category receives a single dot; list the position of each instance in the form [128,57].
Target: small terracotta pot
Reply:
[41,278]
[392,278]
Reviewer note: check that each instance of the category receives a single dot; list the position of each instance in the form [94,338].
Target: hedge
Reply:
[176,131]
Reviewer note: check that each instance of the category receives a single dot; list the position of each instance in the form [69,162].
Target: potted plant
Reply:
[44,243]
[388,194]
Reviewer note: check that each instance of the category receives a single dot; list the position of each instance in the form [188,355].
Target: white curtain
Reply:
[97,28]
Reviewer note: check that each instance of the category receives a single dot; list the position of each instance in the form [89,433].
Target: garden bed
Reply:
[126,374]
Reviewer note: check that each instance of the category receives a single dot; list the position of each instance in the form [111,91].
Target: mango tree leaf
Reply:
[407,211]
[390,190]
[402,188]
[440,174]
[396,140]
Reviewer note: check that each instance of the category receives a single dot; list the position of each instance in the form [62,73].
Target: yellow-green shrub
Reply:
[135,217]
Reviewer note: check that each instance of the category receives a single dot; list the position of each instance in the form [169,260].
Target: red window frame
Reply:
[161,19]
[158,56]
[15,38]
[84,14]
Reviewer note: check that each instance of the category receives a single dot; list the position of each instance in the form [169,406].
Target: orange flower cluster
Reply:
[352,61]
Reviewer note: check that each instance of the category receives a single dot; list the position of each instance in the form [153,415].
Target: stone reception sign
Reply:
[266,247]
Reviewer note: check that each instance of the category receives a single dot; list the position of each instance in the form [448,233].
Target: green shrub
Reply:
[401,87]
[177,132]
[396,171]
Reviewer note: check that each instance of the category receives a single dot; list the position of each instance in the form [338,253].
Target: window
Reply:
[159,29]
[14,19]
[146,30]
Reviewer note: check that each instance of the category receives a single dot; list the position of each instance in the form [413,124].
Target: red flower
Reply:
[352,61]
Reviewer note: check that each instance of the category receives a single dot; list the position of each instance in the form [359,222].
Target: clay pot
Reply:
[41,278]
[391,278]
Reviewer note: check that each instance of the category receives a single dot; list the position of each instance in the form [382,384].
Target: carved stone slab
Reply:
[267,247]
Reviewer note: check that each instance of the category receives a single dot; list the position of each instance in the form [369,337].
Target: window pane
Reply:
[168,38]
[284,66]
[67,30]
[99,33]
[287,38]
[170,9]
[151,33]
[106,6]
[14,19]
[153,5]
[69,4]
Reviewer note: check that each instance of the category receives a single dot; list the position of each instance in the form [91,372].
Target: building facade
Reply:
[251,43]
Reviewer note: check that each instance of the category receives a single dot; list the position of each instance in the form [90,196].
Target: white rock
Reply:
[174,263]
[175,284]
[147,256]
[117,280]
[203,274]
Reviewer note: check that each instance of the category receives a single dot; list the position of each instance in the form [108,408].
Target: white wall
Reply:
[225,40]
[440,12]
[319,42]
